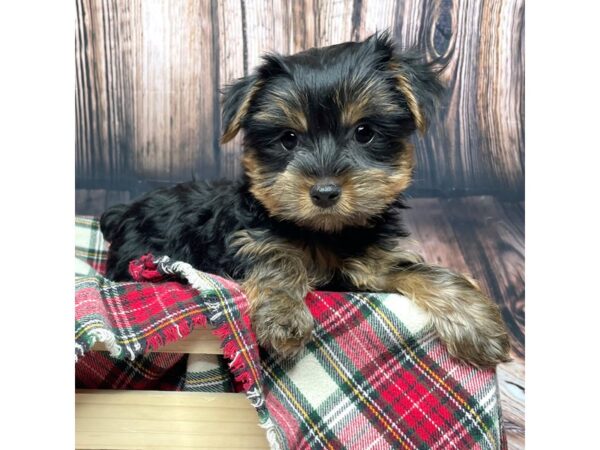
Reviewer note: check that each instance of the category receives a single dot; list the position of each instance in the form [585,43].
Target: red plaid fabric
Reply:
[131,319]
[134,318]
[373,377]
[380,385]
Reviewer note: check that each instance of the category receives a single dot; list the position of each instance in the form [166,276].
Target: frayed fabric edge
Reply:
[241,373]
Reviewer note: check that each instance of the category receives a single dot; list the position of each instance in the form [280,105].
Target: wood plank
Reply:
[90,201]
[511,380]
[267,29]
[370,17]
[199,341]
[103,103]
[176,91]
[151,419]
[117,197]
[304,25]
[501,88]
[146,91]
[334,22]
[434,236]
[232,66]
[93,202]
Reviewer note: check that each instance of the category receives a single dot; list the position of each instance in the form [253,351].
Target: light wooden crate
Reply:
[112,419]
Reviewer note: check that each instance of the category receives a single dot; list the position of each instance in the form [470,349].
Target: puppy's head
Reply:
[325,130]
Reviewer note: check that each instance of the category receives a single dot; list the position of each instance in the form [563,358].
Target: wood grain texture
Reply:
[232,26]
[106,419]
[511,381]
[146,98]
[148,75]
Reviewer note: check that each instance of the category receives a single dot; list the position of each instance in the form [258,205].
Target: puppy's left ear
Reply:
[416,79]
[235,104]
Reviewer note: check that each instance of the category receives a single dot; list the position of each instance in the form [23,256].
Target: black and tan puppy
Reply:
[326,160]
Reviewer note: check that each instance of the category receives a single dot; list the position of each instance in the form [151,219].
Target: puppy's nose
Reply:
[326,194]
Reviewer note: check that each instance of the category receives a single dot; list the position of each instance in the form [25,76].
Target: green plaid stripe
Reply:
[208,373]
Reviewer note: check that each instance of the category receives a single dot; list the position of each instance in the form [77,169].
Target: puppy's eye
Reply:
[289,140]
[363,134]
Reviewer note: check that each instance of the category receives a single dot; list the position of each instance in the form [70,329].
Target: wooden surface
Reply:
[148,72]
[200,341]
[106,419]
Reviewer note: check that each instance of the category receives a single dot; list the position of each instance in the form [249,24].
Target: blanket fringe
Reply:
[272,437]
[103,335]
[216,318]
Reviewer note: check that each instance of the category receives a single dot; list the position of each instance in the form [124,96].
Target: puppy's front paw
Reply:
[475,333]
[282,325]
[467,321]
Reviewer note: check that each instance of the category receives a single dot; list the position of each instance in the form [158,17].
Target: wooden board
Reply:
[433,234]
[107,419]
[200,341]
[148,74]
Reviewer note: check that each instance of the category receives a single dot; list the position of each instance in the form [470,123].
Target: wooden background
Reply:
[148,75]
[147,110]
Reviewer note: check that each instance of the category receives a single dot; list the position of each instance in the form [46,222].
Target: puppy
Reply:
[319,205]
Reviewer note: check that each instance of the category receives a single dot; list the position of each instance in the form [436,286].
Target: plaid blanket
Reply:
[373,377]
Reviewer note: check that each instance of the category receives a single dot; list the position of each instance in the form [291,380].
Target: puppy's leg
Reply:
[276,284]
[467,321]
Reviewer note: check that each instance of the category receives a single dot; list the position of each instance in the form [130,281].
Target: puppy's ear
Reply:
[236,101]
[415,78]
[419,83]
[238,96]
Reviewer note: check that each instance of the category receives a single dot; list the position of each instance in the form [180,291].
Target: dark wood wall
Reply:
[148,74]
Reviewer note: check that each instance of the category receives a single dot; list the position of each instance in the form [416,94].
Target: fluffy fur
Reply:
[324,120]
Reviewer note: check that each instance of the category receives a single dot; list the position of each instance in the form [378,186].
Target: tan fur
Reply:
[319,264]
[365,193]
[282,274]
[234,127]
[285,116]
[404,87]
[467,321]
[276,287]
[366,272]
[370,96]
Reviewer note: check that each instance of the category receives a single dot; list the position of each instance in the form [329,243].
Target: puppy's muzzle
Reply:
[325,194]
